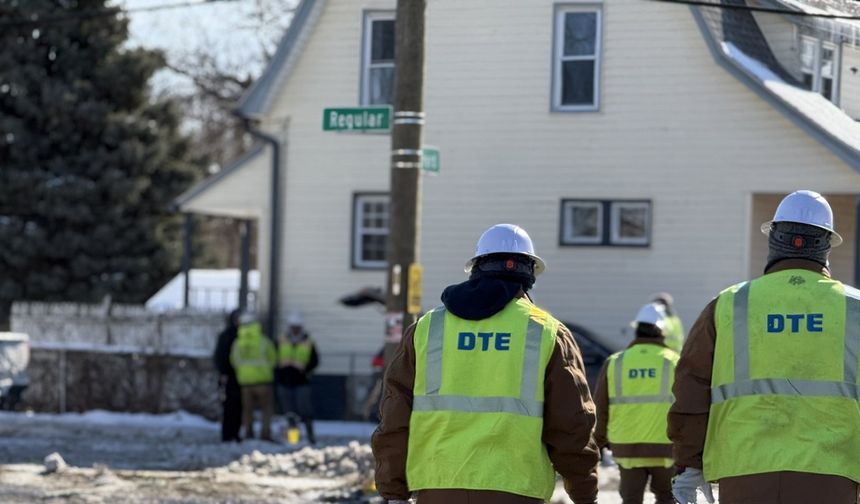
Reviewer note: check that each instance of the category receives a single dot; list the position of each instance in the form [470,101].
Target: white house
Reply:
[641,144]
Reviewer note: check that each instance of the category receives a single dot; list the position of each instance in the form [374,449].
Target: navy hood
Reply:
[479,298]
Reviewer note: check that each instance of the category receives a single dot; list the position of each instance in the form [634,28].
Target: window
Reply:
[818,61]
[582,222]
[807,60]
[624,223]
[377,68]
[576,63]
[828,53]
[630,222]
[369,230]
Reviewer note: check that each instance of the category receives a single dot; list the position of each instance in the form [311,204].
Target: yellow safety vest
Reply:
[297,355]
[253,356]
[673,333]
[784,393]
[639,382]
[477,416]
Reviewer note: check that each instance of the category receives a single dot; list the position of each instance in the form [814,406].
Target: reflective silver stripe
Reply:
[740,333]
[664,387]
[435,338]
[784,386]
[619,374]
[466,404]
[531,361]
[645,399]
[252,362]
[852,338]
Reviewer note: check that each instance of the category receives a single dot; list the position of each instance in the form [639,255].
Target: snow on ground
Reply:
[177,458]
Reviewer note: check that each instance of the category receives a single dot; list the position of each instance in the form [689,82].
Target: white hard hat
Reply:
[247,318]
[651,313]
[805,207]
[295,319]
[507,239]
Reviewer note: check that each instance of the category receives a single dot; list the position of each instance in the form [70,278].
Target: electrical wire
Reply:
[770,10]
[95,13]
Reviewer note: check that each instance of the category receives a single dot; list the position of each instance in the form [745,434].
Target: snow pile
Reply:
[54,463]
[353,461]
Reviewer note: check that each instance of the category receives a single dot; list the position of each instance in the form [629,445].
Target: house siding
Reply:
[239,194]
[674,127]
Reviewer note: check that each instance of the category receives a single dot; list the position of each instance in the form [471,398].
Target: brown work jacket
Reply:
[688,424]
[568,425]
[601,400]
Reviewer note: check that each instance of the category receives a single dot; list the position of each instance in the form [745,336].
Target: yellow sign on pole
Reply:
[413,295]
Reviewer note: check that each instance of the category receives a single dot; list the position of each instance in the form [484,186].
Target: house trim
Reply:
[847,153]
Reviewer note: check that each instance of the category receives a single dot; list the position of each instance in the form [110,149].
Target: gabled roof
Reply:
[847,29]
[738,45]
[849,7]
[259,96]
[210,181]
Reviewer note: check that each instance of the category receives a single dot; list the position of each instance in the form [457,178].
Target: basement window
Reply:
[370,213]
[377,59]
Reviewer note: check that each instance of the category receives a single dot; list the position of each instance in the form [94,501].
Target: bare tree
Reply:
[217,85]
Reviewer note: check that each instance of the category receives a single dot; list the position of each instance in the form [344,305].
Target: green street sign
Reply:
[430,159]
[357,119]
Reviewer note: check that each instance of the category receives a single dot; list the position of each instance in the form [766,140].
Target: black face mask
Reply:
[792,240]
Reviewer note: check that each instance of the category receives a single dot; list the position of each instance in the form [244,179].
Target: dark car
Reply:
[594,354]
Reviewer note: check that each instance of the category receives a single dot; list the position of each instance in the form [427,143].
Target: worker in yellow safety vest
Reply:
[633,396]
[297,360]
[486,398]
[673,329]
[253,356]
[766,391]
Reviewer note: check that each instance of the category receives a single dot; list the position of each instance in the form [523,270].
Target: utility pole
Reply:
[406,142]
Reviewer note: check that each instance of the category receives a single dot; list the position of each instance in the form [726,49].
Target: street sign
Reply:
[357,119]
[430,159]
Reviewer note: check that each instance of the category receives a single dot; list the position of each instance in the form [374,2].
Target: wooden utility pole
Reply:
[406,142]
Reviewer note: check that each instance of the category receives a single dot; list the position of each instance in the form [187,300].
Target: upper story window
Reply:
[369,230]
[576,62]
[818,61]
[377,61]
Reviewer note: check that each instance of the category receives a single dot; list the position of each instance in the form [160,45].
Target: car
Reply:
[14,359]
[594,353]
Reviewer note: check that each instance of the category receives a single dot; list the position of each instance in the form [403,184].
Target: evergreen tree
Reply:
[88,161]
